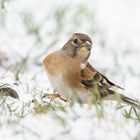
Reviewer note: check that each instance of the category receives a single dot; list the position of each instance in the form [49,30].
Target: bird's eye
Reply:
[75,42]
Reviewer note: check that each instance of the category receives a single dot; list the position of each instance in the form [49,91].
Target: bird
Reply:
[74,78]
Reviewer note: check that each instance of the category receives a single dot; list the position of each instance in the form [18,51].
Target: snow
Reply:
[114,26]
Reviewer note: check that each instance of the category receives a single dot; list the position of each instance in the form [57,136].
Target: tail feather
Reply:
[121,98]
[130,101]
[109,94]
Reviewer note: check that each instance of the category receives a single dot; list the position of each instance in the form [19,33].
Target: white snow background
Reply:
[31,29]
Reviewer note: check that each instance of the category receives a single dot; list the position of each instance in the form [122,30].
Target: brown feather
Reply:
[101,78]
[100,86]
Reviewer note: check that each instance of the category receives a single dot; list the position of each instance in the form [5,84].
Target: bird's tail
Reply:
[122,99]
[130,101]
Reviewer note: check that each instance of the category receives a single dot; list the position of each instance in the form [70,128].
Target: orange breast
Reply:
[68,67]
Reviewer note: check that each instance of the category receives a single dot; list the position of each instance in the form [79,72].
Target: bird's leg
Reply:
[54,96]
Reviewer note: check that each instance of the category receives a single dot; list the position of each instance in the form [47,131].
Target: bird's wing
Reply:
[101,87]
[89,76]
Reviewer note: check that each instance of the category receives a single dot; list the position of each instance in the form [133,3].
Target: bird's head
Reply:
[79,45]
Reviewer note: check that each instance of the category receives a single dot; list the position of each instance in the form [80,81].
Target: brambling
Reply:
[72,76]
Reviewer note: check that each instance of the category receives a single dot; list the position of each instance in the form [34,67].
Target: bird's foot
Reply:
[54,96]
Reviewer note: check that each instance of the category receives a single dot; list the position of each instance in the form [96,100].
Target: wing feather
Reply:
[89,76]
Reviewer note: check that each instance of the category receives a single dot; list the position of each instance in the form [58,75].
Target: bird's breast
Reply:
[63,73]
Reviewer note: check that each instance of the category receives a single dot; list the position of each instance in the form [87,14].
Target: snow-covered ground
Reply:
[31,29]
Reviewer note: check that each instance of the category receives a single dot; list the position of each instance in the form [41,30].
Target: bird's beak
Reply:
[85,48]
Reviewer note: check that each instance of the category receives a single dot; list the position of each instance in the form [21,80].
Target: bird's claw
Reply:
[54,96]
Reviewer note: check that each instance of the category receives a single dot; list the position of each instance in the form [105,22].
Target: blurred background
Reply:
[31,29]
